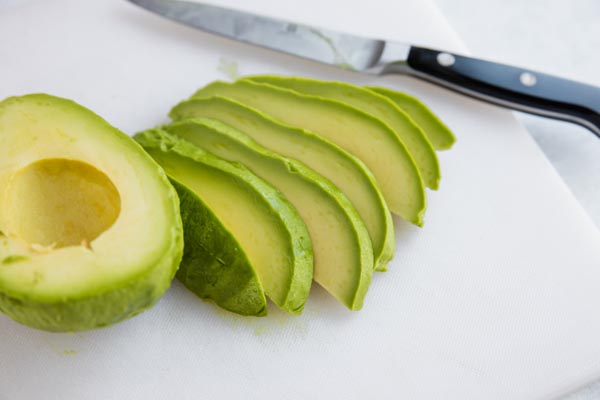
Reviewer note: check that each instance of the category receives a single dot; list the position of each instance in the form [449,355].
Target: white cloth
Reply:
[495,297]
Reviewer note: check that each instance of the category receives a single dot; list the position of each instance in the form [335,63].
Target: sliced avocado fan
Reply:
[440,136]
[267,227]
[378,106]
[92,233]
[329,160]
[357,132]
[343,253]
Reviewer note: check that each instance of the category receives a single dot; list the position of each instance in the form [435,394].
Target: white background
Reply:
[554,36]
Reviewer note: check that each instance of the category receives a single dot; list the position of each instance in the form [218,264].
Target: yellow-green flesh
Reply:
[362,135]
[342,169]
[378,106]
[58,202]
[342,249]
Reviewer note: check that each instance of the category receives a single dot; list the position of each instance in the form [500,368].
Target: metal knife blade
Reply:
[317,44]
[508,86]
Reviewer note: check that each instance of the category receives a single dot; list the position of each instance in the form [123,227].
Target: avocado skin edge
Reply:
[440,136]
[65,316]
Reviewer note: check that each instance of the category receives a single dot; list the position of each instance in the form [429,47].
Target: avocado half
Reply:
[90,230]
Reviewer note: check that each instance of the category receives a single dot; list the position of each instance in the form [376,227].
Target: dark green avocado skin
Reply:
[72,315]
[214,266]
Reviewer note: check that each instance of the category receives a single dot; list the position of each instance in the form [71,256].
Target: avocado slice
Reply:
[440,136]
[344,170]
[214,265]
[267,227]
[378,106]
[91,227]
[359,133]
[342,249]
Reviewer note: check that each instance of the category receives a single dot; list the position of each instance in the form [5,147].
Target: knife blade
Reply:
[504,85]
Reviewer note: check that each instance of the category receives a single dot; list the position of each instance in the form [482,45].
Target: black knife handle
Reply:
[509,86]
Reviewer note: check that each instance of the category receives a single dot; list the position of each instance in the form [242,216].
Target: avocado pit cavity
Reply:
[58,202]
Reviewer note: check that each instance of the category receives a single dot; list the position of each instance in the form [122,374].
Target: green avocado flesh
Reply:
[342,169]
[267,227]
[343,256]
[378,106]
[436,131]
[214,265]
[91,230]
[359,133]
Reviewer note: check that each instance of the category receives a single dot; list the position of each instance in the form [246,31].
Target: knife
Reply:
[504,85]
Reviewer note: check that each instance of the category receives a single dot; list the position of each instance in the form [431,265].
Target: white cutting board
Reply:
[495,298]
